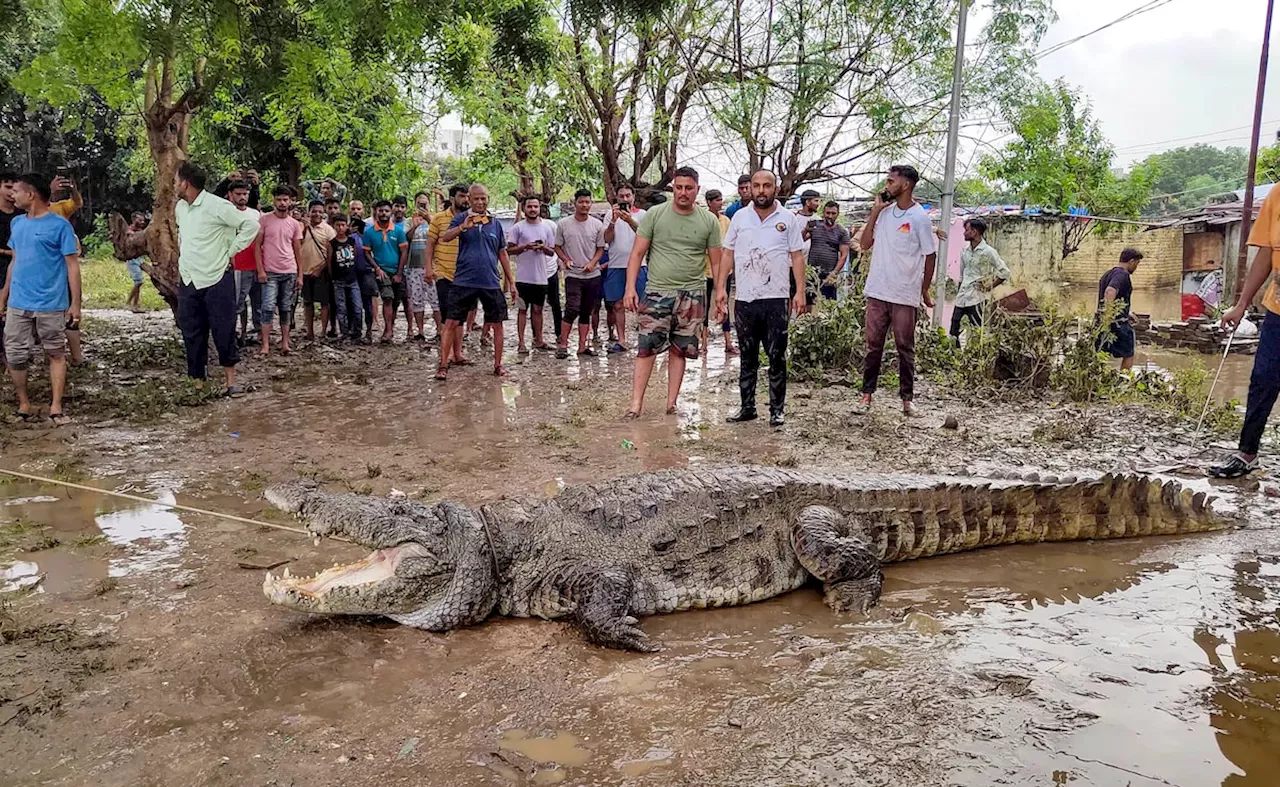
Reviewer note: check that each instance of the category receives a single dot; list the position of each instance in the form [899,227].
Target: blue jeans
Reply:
[249,288]
[347,294]
[1264,385]
[278,292]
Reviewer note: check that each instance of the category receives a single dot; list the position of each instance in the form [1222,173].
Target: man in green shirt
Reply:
[678,237]
[210,232]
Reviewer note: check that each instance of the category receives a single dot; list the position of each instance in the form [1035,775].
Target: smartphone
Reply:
[885,196]
[625,207]
[73,325]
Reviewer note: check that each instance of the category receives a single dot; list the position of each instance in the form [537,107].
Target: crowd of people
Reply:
[678,267]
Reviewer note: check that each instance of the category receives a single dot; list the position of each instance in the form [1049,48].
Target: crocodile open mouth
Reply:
[379,567]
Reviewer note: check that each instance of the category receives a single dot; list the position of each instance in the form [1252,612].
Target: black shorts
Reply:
[444,294]
[368,284]
[532,294]
[463,300]
[1123,343]
[316,289]
[581,297]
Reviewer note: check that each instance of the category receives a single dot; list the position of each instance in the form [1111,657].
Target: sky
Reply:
[1185,69]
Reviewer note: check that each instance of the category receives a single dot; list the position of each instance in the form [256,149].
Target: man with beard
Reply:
[399,211]
[904,251]
[442,263]
[355,217]
[620,234]
[532,241]
[245,269]
[279,247]
[762,245]
[677,236]
[579,245]
[828,249]
[386,244]
[211,231]
[482,248]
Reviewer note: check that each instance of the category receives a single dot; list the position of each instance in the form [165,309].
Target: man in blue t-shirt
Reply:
[40,299]
[386,243]
[482,247]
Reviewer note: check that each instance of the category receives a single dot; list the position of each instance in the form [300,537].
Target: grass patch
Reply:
[253,481]
[20,534]
[147,400]
[89,540]
[105,284]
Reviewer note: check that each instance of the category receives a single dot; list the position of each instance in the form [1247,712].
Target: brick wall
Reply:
[1033,249]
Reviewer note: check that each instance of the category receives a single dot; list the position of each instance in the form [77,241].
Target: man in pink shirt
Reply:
[280,246]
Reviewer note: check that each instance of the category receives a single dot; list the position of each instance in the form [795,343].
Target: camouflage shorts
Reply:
[670,319]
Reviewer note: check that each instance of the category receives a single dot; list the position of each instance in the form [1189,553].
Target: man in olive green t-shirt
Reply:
[678,236]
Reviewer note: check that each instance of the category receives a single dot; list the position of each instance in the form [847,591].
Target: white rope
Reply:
[174,506]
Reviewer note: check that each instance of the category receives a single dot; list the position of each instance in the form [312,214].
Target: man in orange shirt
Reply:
[1264,385]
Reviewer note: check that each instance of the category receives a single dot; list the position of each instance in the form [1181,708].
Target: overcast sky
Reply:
[1188,68]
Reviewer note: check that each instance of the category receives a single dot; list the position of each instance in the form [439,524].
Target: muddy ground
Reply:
[146,655]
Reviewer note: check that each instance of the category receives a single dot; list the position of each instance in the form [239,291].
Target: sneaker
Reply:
[419,337]
[776,420]
[862,407]
[910,410]
[742,415]
[1234,466]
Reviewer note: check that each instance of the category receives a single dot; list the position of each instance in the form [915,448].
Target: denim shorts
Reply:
[278,292]
[134,267]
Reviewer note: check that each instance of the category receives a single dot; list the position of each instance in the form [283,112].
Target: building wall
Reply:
[1033,249]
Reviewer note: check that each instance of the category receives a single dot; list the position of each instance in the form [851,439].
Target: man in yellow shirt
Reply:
[1264,385]
[442,263]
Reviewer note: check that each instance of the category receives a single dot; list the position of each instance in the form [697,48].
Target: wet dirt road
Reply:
[1142,662]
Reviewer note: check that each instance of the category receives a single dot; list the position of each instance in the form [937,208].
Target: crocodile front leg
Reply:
[603,611]
[832,548]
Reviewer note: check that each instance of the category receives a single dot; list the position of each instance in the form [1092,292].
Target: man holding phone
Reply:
[904,251]
[419,294]
[533,242]
[620,235]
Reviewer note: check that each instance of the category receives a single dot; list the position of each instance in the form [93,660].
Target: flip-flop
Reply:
[671,410]
[60,419]
[234,392]
[522,351]
[562,353]
[543,347]
[631,415]
[587,351]
[22,418]
[499,371]
[442,373]
[617,348]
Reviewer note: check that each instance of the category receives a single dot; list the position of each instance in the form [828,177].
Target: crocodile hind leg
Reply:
[603,611]
[831,547]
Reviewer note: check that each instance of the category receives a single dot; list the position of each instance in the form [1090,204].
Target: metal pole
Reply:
[949,176]
[1242,262]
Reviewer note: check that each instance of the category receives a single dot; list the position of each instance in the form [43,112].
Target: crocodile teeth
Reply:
[287,575]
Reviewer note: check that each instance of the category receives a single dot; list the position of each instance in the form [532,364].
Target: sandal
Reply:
[631,415]
[442,373]
[522,351]
[234,392]
[617,348]
[544,347]
[499,371]
[60,419]
[1233,466]
[562,353]
[22,418]
[587,351]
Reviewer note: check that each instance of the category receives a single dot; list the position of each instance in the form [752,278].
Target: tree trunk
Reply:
[167,140]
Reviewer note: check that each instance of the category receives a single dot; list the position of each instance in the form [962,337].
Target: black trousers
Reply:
[1264,385]
[974,313]
[763,322]
[553,298]
[204,311]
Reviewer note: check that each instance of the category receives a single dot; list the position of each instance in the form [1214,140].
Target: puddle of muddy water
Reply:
[148,538]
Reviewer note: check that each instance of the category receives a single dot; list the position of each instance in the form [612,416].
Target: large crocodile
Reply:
[605,554]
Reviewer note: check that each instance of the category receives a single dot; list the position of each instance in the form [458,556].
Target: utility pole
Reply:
[949,176]
[1242,261]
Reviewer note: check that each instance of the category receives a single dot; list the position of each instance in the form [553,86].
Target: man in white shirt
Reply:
[765,243]
[904,252]
[620,235]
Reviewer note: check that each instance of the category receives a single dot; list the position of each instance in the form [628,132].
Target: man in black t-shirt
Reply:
[7,211]
[1116,285]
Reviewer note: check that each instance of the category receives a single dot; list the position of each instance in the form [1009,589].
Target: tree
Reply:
[823,91]
[630,79]
[1185,177]
[1060,160]
[530,127]
[1268,170]
[314,68]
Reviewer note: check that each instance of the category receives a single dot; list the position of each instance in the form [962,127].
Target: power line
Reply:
[1139,146]
[1150,5]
